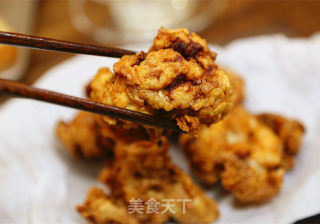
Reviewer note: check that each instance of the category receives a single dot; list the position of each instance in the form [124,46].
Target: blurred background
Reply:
[120,22]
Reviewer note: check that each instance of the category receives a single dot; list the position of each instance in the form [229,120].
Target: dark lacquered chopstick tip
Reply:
[17,89]
[43,43]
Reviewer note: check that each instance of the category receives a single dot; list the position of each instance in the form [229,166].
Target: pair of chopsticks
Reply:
[17,89]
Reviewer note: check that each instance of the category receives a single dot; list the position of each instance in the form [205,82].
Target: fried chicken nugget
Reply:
[250,182]
[240,151]
[177,79]
[99,208]
[143,170]
[82,138]
[90,136]
[238,87]
[290,133]
[120,134]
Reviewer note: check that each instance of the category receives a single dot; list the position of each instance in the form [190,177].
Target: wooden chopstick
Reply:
[17,89]
[59,45]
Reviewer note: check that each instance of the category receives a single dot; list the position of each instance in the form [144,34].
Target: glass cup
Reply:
[131,21]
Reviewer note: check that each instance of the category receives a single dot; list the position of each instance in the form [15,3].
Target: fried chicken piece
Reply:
[143,170]
[82,138]
[177,79]
[241,152]
[250,182]
[238,87]
[290,133]
[90,136]
[99,208]
[120,134]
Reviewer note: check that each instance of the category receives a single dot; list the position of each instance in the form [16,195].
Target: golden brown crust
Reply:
[143,170]
[178,77]
[99,208]
[81,137]
[241,152]
[249,182]
[290,133]
[120,134]
[108,88]
[189,45]
[238,87]
[90,136]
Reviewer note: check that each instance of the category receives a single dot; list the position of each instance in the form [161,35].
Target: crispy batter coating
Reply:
[108,88]
[119,134]
[82,138]
[238,87]
[177,79]
[99,208]
[290,133]
[249,181]
[90,136]
[143,170]
[240,151]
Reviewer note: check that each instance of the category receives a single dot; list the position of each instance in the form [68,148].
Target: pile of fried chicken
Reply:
[248,154]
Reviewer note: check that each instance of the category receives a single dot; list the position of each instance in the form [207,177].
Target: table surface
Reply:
[241,19]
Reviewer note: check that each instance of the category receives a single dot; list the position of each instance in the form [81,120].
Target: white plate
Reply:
[40,183]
